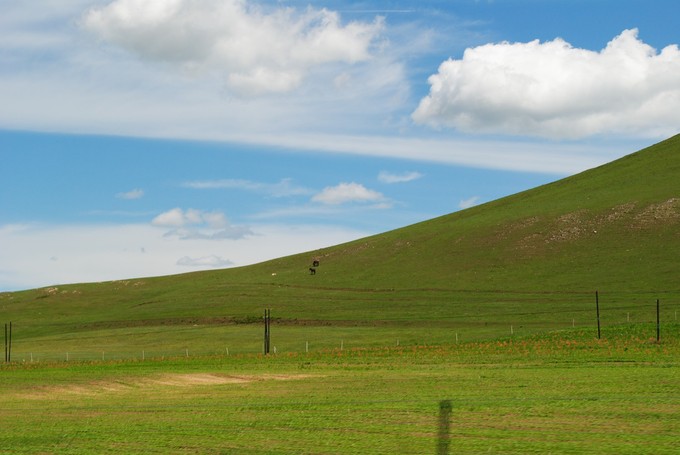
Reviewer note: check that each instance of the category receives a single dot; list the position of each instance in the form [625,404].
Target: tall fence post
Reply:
[597,307]
[8,342]
[267,332]
[444,436]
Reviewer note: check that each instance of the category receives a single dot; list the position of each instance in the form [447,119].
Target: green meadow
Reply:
[563,392]
[493,308]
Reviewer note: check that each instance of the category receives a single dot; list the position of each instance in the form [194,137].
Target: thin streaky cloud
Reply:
[389,177]
[518,155]
[469,202]
[285,187]
[212,261]
[121,213]
[222,184]
[131,195]
[321,211]
[297,212]
[379,11]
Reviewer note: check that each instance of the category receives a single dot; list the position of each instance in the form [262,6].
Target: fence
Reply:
[411,317]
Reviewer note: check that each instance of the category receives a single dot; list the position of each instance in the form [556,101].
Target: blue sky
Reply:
[142,138]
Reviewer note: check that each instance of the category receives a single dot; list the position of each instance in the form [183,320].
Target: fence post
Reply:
[597,306]
[8,343]
[267,328]
[444,427]
[658,322]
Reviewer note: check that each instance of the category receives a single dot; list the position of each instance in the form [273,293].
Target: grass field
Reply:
[563,392]
[64,326]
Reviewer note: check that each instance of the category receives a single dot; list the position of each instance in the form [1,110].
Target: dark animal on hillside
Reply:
[315,263]
[312,271]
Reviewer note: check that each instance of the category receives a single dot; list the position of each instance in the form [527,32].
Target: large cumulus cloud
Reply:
[554,90]
[258,50]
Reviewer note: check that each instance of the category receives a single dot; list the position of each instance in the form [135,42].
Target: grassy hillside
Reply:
[612,227]
[531,260]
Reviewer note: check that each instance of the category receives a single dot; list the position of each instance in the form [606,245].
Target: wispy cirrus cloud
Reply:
[211,261]
[131,195]
[469,202]
[389,177]
[283,188]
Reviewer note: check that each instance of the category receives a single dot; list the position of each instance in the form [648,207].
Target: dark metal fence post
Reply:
[444,427]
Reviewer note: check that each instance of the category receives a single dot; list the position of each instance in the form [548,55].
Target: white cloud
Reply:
[347,192]
[178,218]
[230,232]
[132,194]
[388,177]
[56,79]
[56,72]
[519,155]
[223,184]
[283,188]
[470,202]
[205,261]
[554,90]
[197,224]
[258,50]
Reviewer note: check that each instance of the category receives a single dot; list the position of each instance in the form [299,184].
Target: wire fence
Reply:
[443,317]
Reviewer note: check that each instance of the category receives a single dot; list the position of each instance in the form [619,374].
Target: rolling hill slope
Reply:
[615,228]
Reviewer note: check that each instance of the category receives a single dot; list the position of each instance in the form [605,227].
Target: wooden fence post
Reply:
[658,322]
[597,306]
[267,330]
[8,343]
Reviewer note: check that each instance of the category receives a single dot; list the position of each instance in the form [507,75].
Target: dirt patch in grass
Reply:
[198,379]
[95,388]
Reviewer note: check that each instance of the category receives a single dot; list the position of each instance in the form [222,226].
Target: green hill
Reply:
[614,228]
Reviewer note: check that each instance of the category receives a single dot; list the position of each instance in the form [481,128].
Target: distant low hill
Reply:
[615,228]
